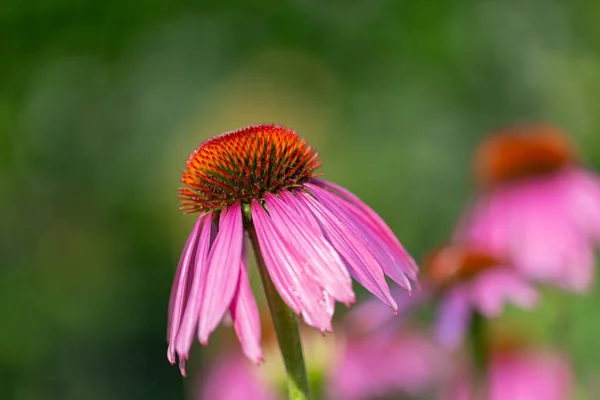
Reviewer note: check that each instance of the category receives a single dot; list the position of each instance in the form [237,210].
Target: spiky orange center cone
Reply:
[245,164]
[456,263]
[519,152]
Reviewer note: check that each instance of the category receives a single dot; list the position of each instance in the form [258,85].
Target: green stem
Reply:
[286,328]
[479,354]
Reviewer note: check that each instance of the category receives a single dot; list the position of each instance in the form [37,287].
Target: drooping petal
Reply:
[286,268]
[453,317]
[492,289]
[370,217]
[302,210]
[321,259]
[361,263]
[393,265]
[305,213]
[185,334]
[244,314]
[223,271]
[180,288]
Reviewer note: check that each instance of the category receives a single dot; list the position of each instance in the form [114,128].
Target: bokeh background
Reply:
[101,102]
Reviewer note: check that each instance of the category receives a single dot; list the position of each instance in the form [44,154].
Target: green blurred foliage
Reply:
[101,102]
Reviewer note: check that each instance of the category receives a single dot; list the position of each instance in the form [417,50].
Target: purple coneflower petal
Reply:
[370,217]
[492,289]
[179,290]
[361,263]
[286,266]
[301,209]
[321,260]
[223,271]
[392,264]
[244,314]
[328,305]
[385,256]
[453,317]
[185,334]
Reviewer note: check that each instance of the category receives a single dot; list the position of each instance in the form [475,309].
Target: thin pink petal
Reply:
[244,313]
[370,217]
[321,259]
[180,288]
[361,263]
[287,270]
[390,260]
[223,271]
[302,210]
[185,334]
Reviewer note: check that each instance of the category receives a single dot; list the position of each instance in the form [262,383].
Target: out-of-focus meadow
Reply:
[101,103]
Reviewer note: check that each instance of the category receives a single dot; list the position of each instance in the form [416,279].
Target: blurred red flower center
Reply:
[243,165]
[520,152]
[456,263]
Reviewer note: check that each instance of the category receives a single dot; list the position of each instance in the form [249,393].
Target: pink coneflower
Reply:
[312,235]
[470,280]
[538,205]
[463,280]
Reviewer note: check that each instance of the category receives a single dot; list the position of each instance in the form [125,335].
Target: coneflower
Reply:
[465,282]
[309,237]
[537,205]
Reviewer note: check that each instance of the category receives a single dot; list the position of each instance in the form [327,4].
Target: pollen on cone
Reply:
[244,164]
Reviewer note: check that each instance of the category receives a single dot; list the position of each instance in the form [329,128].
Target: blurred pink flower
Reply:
[537,207]
[312,234]
[470,280]
[232,377]
[381,365]
[522,375]
[462,280]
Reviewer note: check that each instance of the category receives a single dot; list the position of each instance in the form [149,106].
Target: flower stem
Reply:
[286,328]
[479,354]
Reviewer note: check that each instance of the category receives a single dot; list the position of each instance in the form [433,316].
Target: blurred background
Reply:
[101,103]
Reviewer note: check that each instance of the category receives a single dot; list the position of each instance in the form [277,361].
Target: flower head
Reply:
[512,154]
[467,280]
[243,165]
[313,236]
[463,280]
[537,206]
